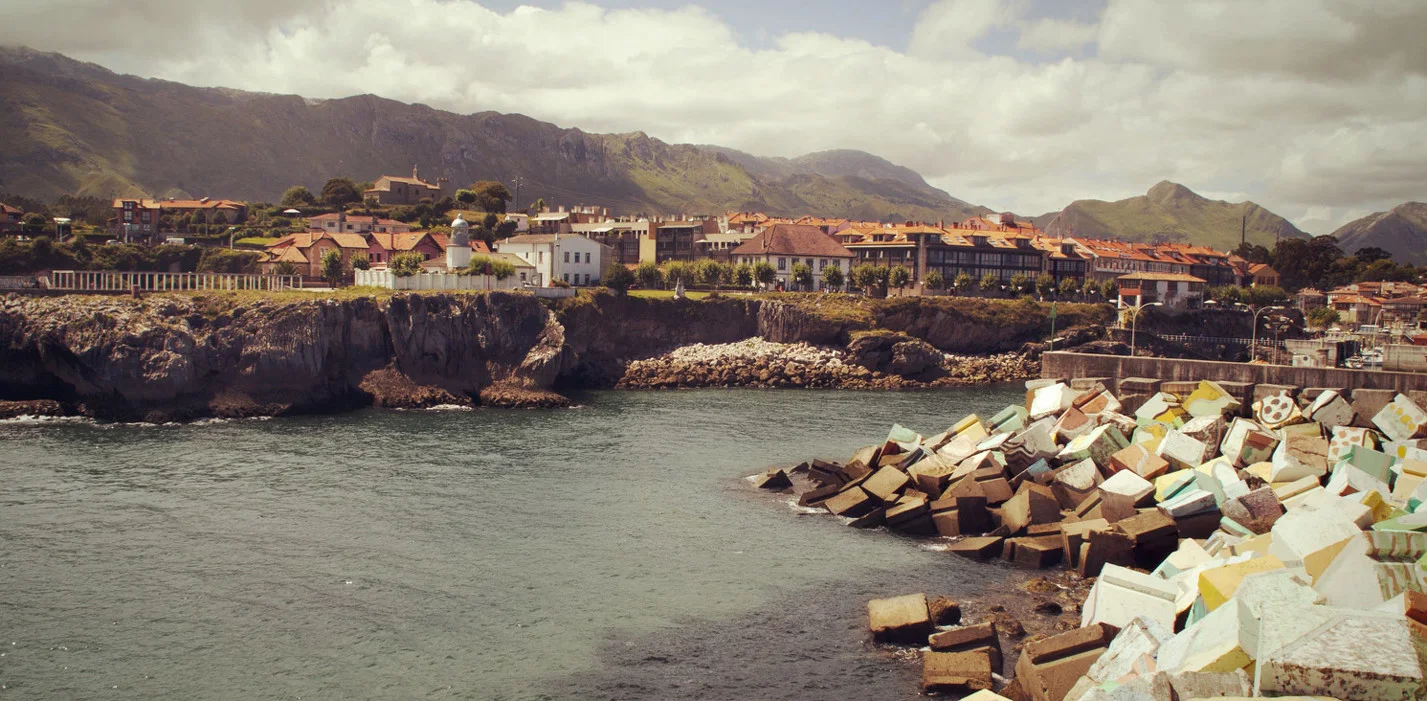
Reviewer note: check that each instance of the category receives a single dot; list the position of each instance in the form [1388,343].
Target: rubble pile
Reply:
[1244,540]
[756,362]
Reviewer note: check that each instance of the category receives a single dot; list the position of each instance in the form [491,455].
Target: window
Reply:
[782,263]
[567,277]
[567,256]
[522,277]
[587,259]
[587,276]
[822,264]
[542,256]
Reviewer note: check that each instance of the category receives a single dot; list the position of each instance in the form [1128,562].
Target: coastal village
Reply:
[575,246]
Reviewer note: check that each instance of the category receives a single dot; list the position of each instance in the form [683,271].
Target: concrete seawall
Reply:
[1064,365]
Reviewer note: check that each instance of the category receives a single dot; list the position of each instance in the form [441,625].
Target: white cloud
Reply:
[1056,35]
[1317,118]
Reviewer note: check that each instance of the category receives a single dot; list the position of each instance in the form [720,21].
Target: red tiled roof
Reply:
[793,240]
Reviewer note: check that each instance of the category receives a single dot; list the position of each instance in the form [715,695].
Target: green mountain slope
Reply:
[1170,212]
[1401,231]
[70,127]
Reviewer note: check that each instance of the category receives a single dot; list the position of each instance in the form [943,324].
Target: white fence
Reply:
[18,282]
[115,281]
[433,281]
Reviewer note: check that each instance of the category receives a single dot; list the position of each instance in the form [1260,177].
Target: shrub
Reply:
[989,282]
[1323,317]
[559,283]
[360,262]
[899,277]
[406,264]
[286,267]
[618,277]
[649,276]
[1045,285]
[485,265]
[743,275]
[764,273]
[677,270]
[802,276]
[832,277]
[333,268]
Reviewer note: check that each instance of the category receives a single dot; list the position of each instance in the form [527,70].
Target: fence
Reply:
[114,281]
[432,281]
[19,282]
[1218,340]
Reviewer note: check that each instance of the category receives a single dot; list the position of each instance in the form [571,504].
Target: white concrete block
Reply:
[1353,655]
[1120,595]
[1181,451]
[1402,420]
[1219,642]
[1373,567]
[1052,400]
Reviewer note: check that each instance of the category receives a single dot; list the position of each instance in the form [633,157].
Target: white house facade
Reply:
[785,245]
[567,257]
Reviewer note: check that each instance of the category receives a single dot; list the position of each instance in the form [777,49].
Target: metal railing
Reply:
[116,281]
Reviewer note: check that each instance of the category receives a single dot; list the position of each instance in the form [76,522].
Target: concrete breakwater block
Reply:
[902,619]
[1049,668]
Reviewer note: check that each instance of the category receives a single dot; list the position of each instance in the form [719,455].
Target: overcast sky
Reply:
[1316,109]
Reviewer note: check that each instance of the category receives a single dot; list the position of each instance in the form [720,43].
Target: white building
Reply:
[567,257]
[1173,290]
[786,245]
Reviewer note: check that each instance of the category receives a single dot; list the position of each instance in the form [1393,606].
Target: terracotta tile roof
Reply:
[1357,299]
[309,238]
[793,240]
[290,254]
[143,203]
[7,209]
[398,179]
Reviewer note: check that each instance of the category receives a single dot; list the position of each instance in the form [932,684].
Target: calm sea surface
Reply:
[607,552]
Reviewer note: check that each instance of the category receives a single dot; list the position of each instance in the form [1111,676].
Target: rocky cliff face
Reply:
[164,358]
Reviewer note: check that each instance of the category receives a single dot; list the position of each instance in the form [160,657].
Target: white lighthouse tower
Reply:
[458,252]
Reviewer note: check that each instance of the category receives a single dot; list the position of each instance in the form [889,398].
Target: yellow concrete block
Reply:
[1218,585]
[1382,509]
[1168,481]
[1150,435]
[1260,470]
[1405,485]
[1257,544]
[971,421]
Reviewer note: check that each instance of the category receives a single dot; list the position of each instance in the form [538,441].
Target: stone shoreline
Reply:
[759,363]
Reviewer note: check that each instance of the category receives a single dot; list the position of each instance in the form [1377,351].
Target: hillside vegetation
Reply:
[1171,212]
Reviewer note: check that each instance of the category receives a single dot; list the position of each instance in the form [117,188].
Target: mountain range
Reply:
[68,127]
[1401,231]
[78,128]
[1171,212]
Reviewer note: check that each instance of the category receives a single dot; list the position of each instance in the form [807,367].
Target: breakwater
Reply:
[1067,365]
[184,356]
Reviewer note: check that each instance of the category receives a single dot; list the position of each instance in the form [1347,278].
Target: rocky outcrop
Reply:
[907,364]
[175,357]
[178,357]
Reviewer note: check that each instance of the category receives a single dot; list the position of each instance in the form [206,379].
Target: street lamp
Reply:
[1134,319]
[1254,343]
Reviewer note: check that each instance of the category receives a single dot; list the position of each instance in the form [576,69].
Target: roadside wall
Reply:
[1065,365]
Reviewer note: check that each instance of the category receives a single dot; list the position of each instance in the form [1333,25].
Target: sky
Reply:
[1316,109]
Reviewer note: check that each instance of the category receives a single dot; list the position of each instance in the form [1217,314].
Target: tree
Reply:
[466,197]
[1302,263]
[1323,317]
[1021,285]
[298,196]
[989,282]
[537,206]
[340,192]
[1253,253]
[286,267]
[649,276]
[34,222]
[1069,287]
[506,229]
[1262,296]
[1045,285]
[899,277]
[1091,287]
[676,271]
[1110,289]
[709,273]
[406,264]
[494,267]
[962,283]
[832,277]
[360,262]
[743,275]
[1371,254]
[934,280]
[763,273]
[864,277]
[802,276]
[618,277]
[333,268]
[490,221]
[491,195]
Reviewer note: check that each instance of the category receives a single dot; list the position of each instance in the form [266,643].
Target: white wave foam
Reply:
[450,407]
[34,420]
[793,504]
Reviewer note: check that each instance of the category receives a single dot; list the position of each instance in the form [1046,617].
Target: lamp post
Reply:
[1134,320]
[1254,343]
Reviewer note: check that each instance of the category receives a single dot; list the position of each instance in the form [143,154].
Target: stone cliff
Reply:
[178,357]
